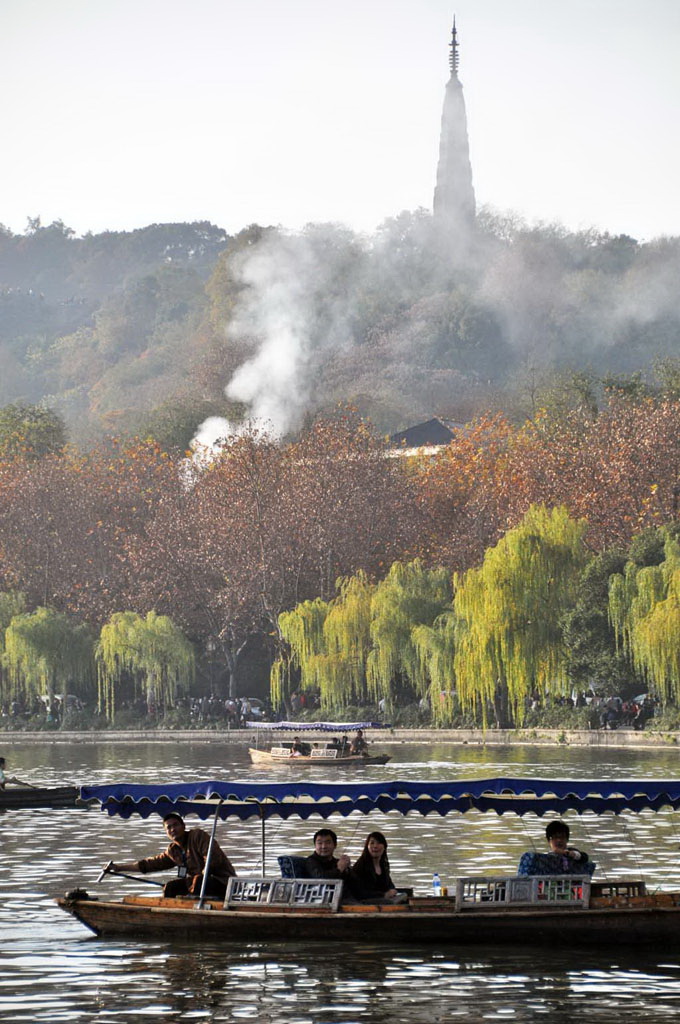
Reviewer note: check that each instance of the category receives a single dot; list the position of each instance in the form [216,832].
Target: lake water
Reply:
[53,969]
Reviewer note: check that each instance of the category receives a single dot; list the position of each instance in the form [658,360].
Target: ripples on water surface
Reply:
[52,969]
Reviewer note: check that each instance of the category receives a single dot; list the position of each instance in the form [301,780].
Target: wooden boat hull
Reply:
[264,758]
[655,925]
[20,798]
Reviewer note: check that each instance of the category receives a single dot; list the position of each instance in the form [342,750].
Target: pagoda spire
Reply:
[453,56]
[454,197]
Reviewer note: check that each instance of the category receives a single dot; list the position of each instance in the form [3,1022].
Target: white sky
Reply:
[121,113]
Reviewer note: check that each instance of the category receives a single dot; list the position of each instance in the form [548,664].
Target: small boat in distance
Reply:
[320,753]
[18,798]
[301,753]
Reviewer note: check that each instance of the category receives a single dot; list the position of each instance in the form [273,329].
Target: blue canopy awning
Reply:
[309,799]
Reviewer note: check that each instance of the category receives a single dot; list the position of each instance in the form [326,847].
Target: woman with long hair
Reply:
[370,877]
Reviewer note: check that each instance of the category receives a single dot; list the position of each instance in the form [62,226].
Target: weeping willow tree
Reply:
[347,638]
[47,653]
[435,646]
[12,603]
[302,630]
[644,609]
[508,640]
[328,645]
[408,597]
[150,650]
[359,647]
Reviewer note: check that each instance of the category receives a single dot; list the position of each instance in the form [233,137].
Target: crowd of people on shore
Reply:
[69,711]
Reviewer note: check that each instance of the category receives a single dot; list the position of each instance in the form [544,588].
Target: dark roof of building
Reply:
[436,431]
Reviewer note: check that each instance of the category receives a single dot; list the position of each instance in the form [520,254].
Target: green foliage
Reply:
[302,629]
[589,638]
[12,603]
[508,644]
[359,646]
[46,653]
[408,597]
[30,431]
[152,650]
[347,640]
[436,647]
[644,607]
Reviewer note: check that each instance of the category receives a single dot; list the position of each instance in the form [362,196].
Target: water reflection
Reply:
[53,970]
[107,981]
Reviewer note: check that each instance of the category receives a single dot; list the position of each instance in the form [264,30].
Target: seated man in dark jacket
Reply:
[322,863]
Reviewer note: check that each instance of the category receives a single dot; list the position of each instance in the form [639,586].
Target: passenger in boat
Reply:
[370,876]
[187,852]
[299,748]
[322,863]
[359,746]
[562,859]
[4,779]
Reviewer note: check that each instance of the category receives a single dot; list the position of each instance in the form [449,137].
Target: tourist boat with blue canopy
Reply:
[568,908]
[301,753]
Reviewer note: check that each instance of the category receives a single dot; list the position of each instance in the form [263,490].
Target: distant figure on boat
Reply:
[359,746]
[299,749]
[370,877]
[4,779]
[323,863]
[187,852]
[562,859]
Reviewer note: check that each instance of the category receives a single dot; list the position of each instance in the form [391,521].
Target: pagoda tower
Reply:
[454,197]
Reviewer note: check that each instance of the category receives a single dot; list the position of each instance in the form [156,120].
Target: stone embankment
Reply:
[464,737]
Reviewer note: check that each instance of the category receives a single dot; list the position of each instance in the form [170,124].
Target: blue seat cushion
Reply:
[292,866]
[552,864]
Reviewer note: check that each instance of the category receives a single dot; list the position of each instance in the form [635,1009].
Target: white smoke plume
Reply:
[399,322]
[297,303]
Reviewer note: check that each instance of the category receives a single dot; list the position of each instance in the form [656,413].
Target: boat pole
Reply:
[108,870]
[208,856]
[262,822]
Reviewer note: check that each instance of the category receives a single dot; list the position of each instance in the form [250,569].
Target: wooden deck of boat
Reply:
[21,798]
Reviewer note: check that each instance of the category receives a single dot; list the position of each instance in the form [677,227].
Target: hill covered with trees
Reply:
[141,332]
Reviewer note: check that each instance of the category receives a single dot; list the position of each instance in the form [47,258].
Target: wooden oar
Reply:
[108,870]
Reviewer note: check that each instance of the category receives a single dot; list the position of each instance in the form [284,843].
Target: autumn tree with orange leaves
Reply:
[619,470]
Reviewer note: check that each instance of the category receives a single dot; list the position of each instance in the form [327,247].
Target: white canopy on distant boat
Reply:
[318,726]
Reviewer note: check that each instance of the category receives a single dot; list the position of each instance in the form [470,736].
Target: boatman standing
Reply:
[187,852]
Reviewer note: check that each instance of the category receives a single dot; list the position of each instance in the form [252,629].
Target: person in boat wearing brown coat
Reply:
[187,852]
